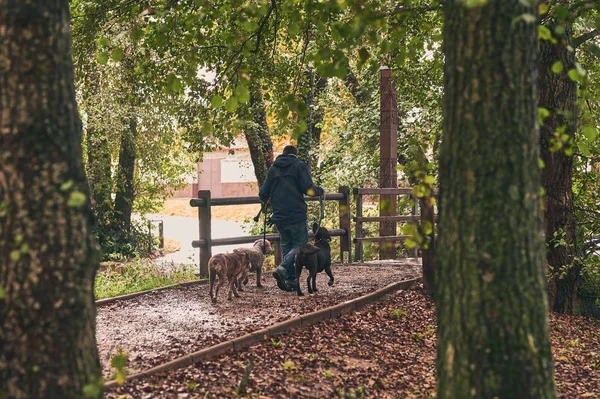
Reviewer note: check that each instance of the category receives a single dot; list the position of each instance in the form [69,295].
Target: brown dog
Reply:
[228,267]
[256,256]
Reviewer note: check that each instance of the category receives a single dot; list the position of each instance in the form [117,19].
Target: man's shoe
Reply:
[279,275]
[291,284]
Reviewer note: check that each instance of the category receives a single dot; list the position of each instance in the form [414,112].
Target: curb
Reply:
[107,301]
[263,334]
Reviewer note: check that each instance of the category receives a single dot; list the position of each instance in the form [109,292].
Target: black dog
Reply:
[315,258]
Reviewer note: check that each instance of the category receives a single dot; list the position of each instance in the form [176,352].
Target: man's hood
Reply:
[283,161]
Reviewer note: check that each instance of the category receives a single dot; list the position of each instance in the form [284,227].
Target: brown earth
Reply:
[386,350]
[158,327]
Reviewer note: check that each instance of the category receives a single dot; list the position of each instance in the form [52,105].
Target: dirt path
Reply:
[161,326]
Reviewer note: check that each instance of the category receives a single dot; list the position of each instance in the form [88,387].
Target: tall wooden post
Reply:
[388,176]
[205,229]
[344,214]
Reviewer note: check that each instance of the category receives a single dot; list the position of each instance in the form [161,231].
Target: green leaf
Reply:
[231,104]
[543,113]
[216,101]
[293,28]
[410,243]
[584,149]
[429,180]
[102,58]
[557,67]
[15,255]
[242,94]
[102,42]
[594,49]
[66,185]
[589,132]
[2,293]
[160,40]
[541,163]
[137,34]
[117,54]
[529,18]
[386,47]
[474,3]
[574,75]
[207,128]
[545,34]
[173,83]
[76,199]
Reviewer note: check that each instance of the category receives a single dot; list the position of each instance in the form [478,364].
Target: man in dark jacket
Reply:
[287,182]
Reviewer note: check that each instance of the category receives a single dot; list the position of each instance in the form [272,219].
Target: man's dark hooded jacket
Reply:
[287,180]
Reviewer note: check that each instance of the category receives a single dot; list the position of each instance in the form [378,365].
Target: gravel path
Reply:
[161,326]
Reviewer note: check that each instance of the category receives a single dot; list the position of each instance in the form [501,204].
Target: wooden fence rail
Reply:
[204,203]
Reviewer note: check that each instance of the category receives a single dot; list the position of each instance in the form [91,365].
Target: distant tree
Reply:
[491,296]
[48,256]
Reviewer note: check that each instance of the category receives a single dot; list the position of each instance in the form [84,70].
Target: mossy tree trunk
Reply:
[125,175]
[310,141]
[258,137]
[490,282]
[558,94]
[48,256]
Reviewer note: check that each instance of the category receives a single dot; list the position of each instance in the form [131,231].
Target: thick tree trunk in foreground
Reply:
[558,94]
[48,256]
[490,281]
[258,138]
[125,190]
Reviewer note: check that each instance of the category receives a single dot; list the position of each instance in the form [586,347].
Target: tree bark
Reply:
[490,283]
[125,185]
[558,94]
[99,175]
[48,256]
[258,138]
[310,141]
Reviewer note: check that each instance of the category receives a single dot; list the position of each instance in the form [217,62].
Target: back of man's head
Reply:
[290,150]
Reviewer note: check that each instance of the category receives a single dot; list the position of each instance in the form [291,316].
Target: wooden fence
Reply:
[204,203]
[427,214]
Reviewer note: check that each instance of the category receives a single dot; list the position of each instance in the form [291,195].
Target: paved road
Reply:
[185,230]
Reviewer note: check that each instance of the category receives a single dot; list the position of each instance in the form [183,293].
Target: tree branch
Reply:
[578,41]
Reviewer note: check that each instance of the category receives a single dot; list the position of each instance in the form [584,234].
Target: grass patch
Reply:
[139,275]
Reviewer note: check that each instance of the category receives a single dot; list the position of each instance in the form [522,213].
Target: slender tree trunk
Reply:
[48,256]
[125,192]
[558,94]
[310,141]
[490,282]
[99,175]
[258,138]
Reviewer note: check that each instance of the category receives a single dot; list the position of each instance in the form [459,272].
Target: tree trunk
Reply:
[310,141]
[558,94]
[48,256]
[99,175]
[125,193]
[490,281]
[258,138]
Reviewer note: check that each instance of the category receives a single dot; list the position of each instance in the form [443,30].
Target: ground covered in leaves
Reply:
[387,350]
[161,326]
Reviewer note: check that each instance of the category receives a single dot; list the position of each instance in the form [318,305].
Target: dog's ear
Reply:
[315,227]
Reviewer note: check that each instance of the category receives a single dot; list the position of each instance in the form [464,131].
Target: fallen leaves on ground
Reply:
[387,350]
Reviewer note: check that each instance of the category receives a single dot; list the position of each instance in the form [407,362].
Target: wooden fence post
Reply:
[205,228]
[344,211]
[358,248]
